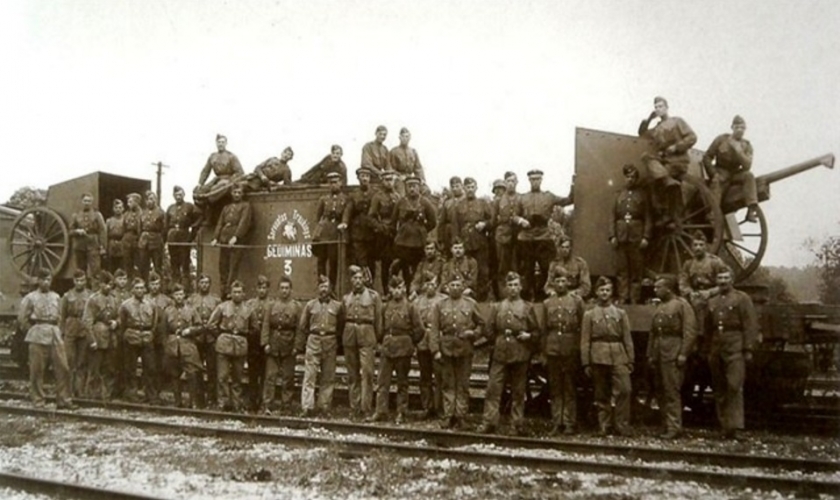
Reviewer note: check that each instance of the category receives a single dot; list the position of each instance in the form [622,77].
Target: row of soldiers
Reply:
[191,337]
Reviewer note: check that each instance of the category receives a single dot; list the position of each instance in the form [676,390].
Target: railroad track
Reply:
[658,463]
[61,489]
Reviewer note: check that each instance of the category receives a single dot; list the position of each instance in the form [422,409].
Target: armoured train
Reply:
[280,242]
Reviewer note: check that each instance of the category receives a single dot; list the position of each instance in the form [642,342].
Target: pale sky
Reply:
[484,86]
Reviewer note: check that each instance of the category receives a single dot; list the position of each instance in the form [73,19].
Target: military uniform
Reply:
[535,243]
[181,218]
[699,275]
[510,358]
[375,156]
[150,244]
[450,319]
[414,219]
[205,339]
[319,325]
[430,394]
[317,175]
[400,331]
[182,325]
[405,161]
[672,131]
[632,222]
[88,247]
[115,256]
[464,268]
[577,271]
[362,313]
[672,335]
[76,337]
[279,326]
[468,213]
[607,347]
[232,321]
[235,220]
[39,314]
[382,212]
[256,354]
[505,234]
[731,166]
[733,327]
[446,223]
[130,242]
[100,319]
[117,359]
[268,174]
[226,167]
[138,320]
[424,267]
[361,228]
[561,346]
[331,212]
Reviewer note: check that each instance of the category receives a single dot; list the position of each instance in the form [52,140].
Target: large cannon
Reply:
[599,157]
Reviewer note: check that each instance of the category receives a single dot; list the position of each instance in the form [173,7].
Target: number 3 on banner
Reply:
[287,267]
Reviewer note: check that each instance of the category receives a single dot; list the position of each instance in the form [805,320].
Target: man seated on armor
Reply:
[575,268]
[270,174]
[225,165]
[318,174]
[672,137]
[728,161]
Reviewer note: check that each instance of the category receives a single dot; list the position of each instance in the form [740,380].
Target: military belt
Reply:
[231,332]
[608,341]
[322,334]
[360,322]
[46,322]
[398,331]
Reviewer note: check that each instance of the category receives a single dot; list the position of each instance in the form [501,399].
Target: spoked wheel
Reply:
[39,239]
[671,245]
[744,243]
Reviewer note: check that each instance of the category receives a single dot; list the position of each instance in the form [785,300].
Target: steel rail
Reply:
[353,448]
[62,489]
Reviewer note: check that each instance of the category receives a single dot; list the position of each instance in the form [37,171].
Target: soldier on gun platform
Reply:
[226,167]
[630,233]
[405,162]
[181,219]
[728,160]
[89,237]
[330,230]
[232,227]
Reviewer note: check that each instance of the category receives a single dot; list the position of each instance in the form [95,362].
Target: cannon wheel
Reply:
[744,254]
[39,239]
[671,247]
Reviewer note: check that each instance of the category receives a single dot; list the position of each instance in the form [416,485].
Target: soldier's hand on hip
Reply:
[342,226]
[267,349]
[587,370]
[644,243]
[681,361]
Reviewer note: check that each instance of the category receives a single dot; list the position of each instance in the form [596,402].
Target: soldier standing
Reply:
[455,325]
[401,330]
[630,233]
[182,324]
[270,174]
[734,330]
[672,137]
[424,304]
[205,303]
[115,229]
[727,161]
[672,335]
[256,354]
[535,245]
[39,315]
[232,320]
[698,279]
[432,265]
[225,165]
[563,317]
[362,313]
[232,227]
[76,336]
[514,332]
[320,322]
[375,155]
[150,245]
[277,338]
[100,319]
[116,356]
[331,163]
[131,235]
[161,301]
[460,266]
[606,352]
[329,233]
[415,217]
[405,161]
[473,217]
[89,237]
[383,207]
[181,219]
[506,229]
[446,213]
[575,268]
[356,217]
[138,318]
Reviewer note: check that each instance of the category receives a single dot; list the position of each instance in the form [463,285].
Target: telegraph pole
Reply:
[160,166]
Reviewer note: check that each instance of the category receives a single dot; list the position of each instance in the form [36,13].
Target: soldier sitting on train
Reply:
[317,175]
[727,161]
[225,165]
[461,266]
[575,268]
[270,174]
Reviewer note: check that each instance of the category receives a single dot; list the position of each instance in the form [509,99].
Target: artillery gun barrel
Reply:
[763,181]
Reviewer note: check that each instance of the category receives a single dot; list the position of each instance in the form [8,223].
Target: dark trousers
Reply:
[531,253]
[506,262]
[562,378]
[284,366]
[517,375]
[231,369]
[179,264]
[612,383]
[150,257]
[327,254]
[229,260]
[39,356]
[256,372]
[455,384]
[409,258]
[384,246]
[208,394]
[482,282]
[131,256]
[99,382]
[146,353]
[401,365]
[173,367]
[728,374]
[77,359]
[630,269]
[89,261]
[363,252]
[114,262]
[430,396]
